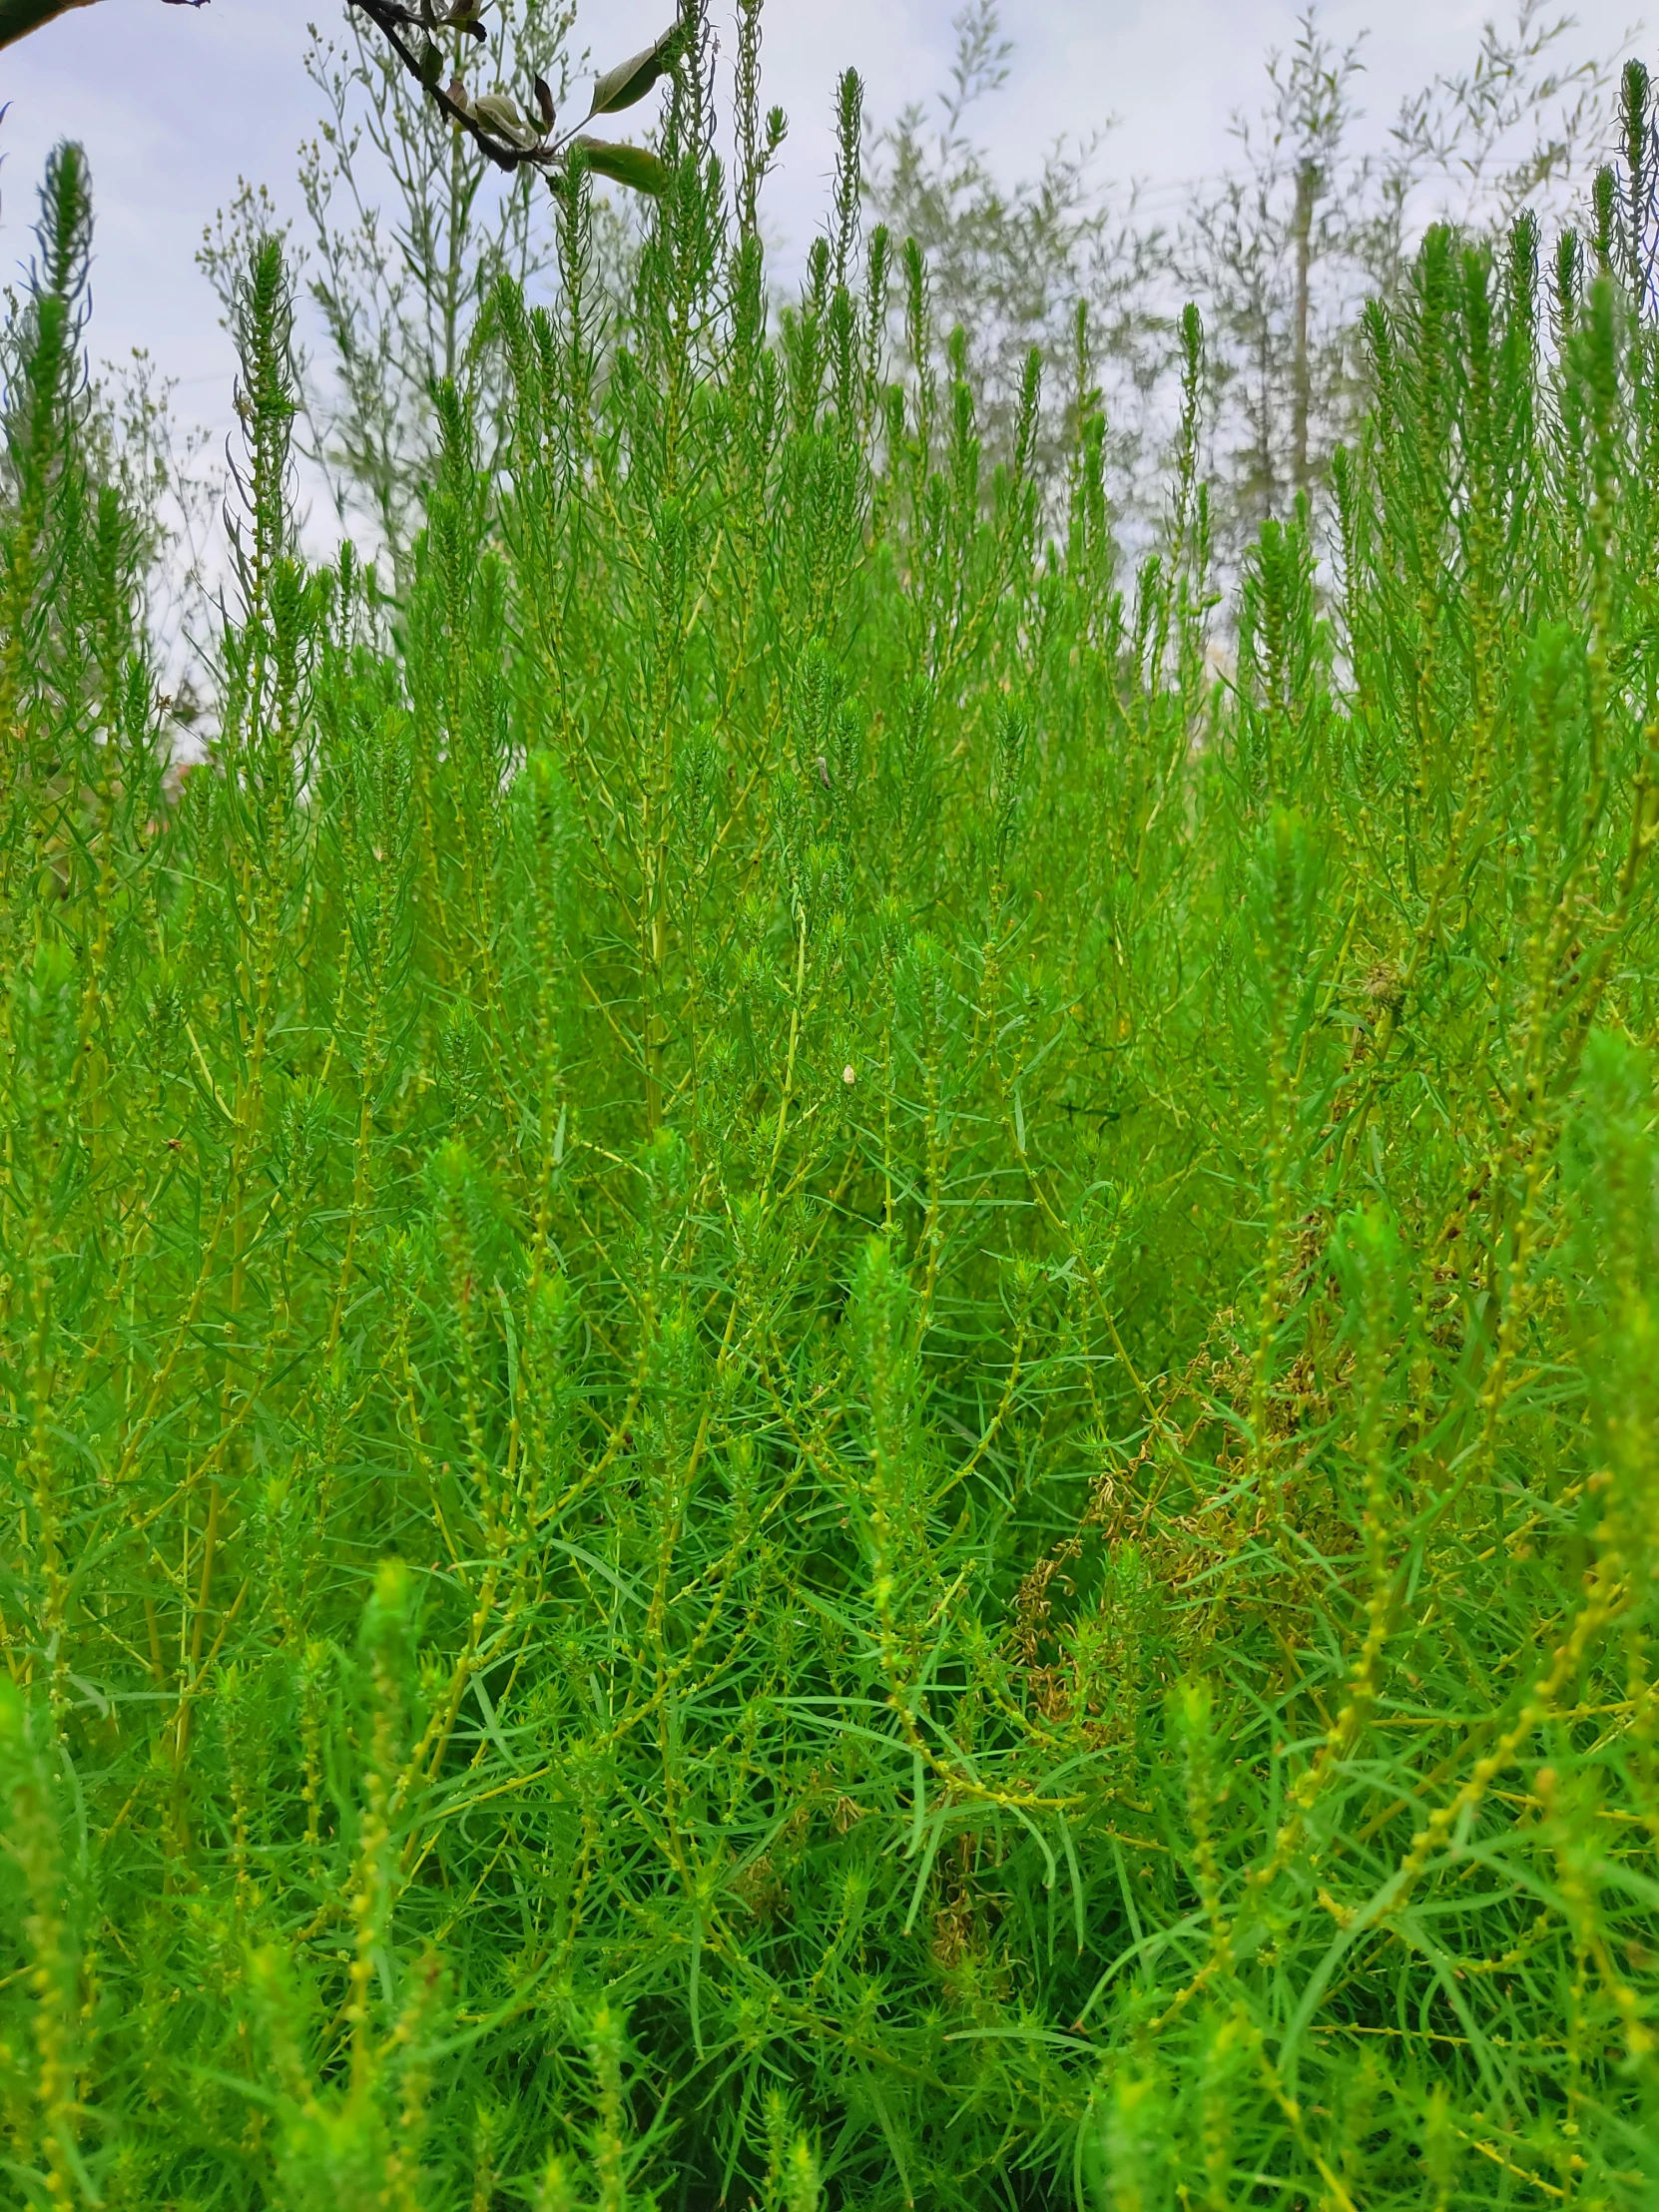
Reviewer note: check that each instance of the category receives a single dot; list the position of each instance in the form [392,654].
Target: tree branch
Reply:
[19,17]
[387,16]
[392,18]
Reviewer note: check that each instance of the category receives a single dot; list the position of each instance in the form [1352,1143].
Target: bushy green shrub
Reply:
[829,1376]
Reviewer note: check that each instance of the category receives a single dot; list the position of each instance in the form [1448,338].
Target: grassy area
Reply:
[821,1386]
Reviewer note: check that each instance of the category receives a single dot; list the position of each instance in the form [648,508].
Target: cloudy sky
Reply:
[174,103]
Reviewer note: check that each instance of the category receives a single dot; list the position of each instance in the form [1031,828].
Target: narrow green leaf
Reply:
[503,118]
[625,164]
[630,81]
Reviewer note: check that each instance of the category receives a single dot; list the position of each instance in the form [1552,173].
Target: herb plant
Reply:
[819,1389]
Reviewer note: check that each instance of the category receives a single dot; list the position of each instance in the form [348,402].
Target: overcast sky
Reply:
[174,103]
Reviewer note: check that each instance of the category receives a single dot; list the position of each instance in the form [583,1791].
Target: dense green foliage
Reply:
[828,1376]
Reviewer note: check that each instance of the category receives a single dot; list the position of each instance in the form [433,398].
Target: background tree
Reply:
[1007,264]
[1279,253]
[1283,252]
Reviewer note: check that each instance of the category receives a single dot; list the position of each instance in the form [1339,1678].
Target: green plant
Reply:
[814,1388]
